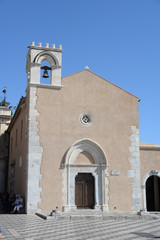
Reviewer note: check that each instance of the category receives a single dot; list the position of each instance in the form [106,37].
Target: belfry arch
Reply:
[48,56]
[96,165]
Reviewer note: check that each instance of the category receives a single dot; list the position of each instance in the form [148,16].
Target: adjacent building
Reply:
[5,118]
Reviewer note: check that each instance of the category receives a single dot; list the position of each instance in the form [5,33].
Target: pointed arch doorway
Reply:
[153,193]
[85,175]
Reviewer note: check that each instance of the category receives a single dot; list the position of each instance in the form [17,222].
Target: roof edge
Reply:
[16,114]
[102,79]
[149,146]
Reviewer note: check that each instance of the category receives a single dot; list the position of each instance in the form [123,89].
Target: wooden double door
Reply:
[84,190]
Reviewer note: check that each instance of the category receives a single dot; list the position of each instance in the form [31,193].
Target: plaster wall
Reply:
[18,152]
[150,159]
[114,113]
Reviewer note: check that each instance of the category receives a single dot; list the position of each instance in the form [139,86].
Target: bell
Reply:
[45,74]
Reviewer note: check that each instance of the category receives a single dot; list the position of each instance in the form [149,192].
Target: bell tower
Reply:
[36,55]
[51,56]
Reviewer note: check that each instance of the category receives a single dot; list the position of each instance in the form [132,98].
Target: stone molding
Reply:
[39,85]
[47,47]
[156,148]
[134,172]
[52,59]
[34,156]
[86,145]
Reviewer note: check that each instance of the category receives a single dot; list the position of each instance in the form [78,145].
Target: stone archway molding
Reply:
[85,145]
[48,56]
[98,170]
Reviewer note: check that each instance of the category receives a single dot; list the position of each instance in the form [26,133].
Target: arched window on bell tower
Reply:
[45,75]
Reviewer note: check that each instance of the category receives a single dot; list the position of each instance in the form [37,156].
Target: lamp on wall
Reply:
[45,73]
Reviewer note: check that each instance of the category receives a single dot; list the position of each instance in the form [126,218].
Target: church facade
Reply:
[74,143]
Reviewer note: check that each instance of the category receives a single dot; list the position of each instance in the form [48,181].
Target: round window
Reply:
[86,118]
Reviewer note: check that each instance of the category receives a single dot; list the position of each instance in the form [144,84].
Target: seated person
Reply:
[17,204]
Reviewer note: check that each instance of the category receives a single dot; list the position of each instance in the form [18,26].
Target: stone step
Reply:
[99,215]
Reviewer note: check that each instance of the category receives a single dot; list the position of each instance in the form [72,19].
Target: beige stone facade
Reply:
[17,172]
[74,143]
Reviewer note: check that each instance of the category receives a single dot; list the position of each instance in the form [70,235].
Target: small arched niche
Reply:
[84,158]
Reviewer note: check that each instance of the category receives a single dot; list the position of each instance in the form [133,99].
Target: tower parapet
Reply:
[36,55]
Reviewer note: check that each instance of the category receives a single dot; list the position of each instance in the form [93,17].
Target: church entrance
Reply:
[153,193]
[84,191]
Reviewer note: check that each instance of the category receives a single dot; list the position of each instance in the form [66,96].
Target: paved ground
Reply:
[32,227]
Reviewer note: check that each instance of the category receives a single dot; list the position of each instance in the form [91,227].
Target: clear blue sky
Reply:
[118,39]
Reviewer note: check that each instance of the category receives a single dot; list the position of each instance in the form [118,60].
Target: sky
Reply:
[118,39]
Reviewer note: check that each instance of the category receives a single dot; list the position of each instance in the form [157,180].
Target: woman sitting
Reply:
[17,204]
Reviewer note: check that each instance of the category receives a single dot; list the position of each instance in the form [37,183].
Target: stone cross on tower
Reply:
[36,55]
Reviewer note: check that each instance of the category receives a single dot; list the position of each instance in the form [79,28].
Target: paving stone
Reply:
[32,227]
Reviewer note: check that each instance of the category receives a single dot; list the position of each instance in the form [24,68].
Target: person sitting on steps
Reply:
[17,204]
